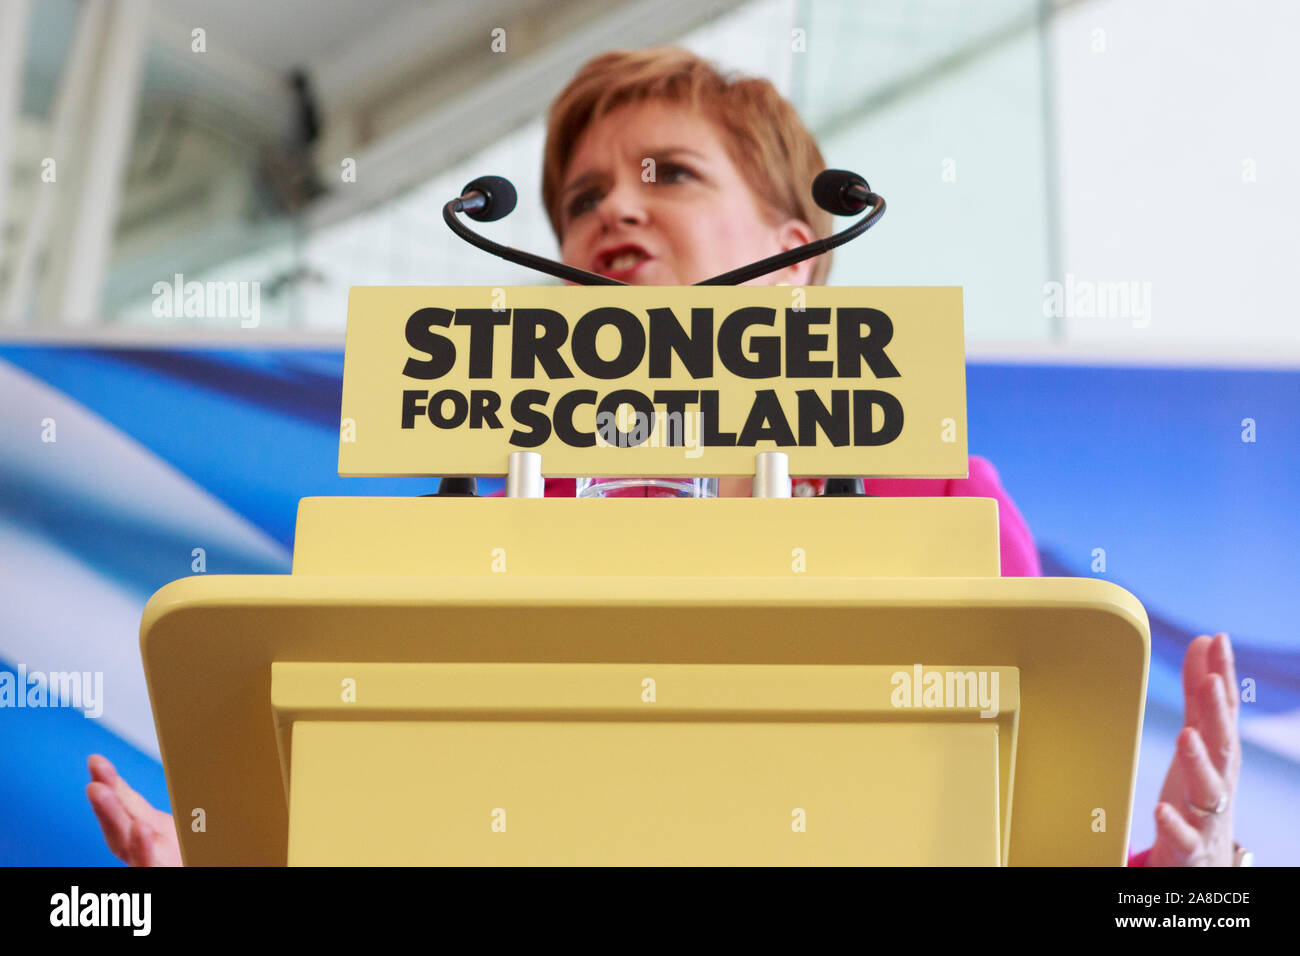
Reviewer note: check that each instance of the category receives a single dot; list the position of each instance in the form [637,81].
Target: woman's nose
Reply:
[624,205]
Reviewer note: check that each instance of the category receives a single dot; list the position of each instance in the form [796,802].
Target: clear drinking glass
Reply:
[647,487]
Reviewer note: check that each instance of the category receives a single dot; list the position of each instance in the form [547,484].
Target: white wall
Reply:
[1157,135]
[960,162]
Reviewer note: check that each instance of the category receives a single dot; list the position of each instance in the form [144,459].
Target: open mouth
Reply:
[621,261]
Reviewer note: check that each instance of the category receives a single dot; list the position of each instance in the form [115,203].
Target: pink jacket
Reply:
[1019,554]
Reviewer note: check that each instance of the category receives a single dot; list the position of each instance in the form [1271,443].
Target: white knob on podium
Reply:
[772,475]
[524,475]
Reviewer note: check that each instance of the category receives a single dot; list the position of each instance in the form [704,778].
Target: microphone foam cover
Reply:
[501,198]
[830,191]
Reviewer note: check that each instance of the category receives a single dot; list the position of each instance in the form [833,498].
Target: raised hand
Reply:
[1194,815]
[137,834]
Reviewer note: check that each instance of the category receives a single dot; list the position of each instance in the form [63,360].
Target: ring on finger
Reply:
[1212,811]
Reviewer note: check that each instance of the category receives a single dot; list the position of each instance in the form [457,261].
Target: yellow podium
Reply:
[477,681]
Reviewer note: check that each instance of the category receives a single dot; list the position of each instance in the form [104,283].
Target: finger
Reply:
[1194,670]
[101,769]
[1179,836]
[142,844]
[113,818]
[136,805]
[1221,661]
[1217,729]
[1203,785]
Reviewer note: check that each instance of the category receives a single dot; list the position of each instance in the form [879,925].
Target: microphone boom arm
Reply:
[735,277]
[518,256]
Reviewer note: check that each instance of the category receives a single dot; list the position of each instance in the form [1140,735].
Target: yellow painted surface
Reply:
[926,350]
[658,764]
[503,538]
[1081,648]
[764,661]
[599,793]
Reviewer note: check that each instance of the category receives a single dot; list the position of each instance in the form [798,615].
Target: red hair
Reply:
[761,130]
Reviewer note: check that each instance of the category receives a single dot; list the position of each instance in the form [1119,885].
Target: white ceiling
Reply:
[351,48]
[354,50]
[278,35]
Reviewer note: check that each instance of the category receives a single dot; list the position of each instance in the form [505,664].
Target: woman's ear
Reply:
[790,235]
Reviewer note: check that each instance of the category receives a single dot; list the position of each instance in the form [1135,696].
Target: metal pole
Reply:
[108,149]
[13,48]
[66,119]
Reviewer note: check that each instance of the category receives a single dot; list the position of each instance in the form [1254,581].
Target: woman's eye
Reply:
[582,203]
[674,173]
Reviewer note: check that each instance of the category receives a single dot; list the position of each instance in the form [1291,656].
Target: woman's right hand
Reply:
[137,834]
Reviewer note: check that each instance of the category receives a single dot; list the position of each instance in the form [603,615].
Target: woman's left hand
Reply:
[1194,815]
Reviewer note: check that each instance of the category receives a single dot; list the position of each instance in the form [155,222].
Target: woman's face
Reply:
[687,216]
[651,197]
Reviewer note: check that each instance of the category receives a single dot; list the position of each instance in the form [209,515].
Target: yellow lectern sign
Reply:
[654,381]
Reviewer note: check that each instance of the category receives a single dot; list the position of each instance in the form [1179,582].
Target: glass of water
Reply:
[647,487]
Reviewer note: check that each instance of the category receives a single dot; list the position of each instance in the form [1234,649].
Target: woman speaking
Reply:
[659,170]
